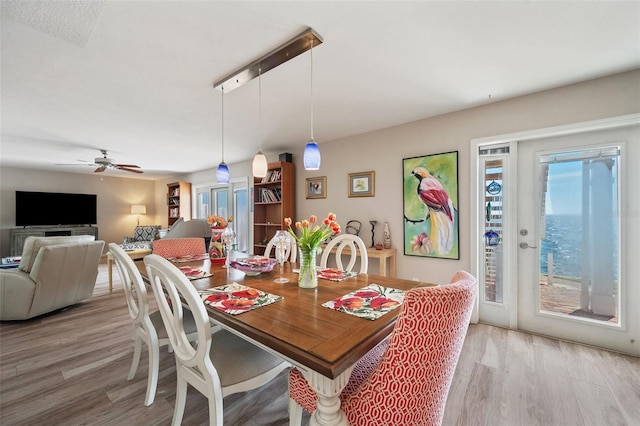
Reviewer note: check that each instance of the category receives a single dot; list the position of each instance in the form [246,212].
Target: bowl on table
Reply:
[254,265]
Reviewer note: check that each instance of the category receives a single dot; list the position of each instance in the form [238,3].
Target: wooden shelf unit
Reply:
[178,201]
[274,200]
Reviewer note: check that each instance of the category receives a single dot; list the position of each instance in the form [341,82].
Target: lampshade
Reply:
[138,209]
[260,165]
[222,174]
[311,156]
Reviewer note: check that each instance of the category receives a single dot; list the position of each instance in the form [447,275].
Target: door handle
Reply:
[525,246]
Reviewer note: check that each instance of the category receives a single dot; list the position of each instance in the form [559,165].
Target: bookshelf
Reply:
[273,200]
[178,201]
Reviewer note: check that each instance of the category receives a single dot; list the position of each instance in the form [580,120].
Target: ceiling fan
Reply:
[102,163]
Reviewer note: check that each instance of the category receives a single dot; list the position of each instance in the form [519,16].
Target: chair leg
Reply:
[295,413]
[181,399]
[136,357]
[152,380]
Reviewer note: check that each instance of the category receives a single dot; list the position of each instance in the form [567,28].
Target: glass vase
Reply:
[308,277]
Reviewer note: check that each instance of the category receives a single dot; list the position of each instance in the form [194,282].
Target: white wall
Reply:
[381,151]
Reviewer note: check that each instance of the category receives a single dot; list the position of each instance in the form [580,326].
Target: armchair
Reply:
[143,237]
[54,272]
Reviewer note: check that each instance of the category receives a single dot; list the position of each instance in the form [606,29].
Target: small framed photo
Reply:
[362,184]
[317,187]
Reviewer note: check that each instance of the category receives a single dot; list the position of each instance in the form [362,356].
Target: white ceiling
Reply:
[136,77]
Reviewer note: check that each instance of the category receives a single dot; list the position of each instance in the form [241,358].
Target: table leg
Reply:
[383,266]
[328,391]
[110,272]
[392,266]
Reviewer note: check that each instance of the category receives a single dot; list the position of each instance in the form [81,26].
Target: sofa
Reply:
[54,272]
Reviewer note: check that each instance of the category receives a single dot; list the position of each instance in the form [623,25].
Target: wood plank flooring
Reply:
[70,368]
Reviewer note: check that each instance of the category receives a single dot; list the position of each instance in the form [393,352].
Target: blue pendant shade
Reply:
[222,174]
[311,156]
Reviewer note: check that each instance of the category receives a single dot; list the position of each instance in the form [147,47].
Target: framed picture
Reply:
[430,205]
[362,184]
[317,187]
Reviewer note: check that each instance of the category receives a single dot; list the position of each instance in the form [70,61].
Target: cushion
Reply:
[146,233]
[32,246]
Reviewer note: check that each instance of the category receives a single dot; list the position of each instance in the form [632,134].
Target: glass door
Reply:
[571,271]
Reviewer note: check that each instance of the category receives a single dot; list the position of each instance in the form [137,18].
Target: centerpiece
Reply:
[217,248]
[311,236]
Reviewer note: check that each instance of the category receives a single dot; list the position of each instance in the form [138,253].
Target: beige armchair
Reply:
[54,272]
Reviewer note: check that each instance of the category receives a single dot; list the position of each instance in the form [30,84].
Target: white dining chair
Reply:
[217,365]
[147,327]
[291,253]
[357,249]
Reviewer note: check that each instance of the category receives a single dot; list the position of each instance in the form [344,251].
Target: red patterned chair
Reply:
[405,380]
[175,247]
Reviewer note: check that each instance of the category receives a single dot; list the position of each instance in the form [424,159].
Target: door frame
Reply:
[511,233]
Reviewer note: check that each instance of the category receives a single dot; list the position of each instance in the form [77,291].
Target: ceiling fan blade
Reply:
[72,164]
[100,169]
[119,167]
[133,166]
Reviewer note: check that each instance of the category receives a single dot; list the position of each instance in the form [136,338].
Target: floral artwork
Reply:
[370,302]
[235,298]
[431,222]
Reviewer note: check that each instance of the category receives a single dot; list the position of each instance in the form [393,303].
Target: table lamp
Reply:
[138,209]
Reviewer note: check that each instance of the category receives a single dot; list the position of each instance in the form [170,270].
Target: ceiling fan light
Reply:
[311,156]
[222,174]
[260,165]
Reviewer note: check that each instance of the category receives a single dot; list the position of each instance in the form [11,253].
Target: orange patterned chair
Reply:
[175,247]
[405,381]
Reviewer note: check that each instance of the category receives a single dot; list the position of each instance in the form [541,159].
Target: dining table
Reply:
[323,343]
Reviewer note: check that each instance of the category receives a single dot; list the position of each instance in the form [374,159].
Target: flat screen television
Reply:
[55,208]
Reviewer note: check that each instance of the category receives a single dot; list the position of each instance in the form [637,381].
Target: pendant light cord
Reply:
[222,127]
[311,87]
[260,106]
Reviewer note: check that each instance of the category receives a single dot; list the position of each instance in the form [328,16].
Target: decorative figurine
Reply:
[373,232]
[386,236]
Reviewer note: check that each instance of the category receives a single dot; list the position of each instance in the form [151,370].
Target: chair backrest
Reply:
[32,246]
[291,253]
[171,289]
[135,290]
[174,247]
[412,380]
[341,242]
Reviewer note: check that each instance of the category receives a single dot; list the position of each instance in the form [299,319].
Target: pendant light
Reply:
[260,165]
[222,174]
[311,155]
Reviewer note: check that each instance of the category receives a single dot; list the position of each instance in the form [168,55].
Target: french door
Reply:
[564,255]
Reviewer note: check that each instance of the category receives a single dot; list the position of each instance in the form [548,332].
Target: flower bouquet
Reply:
[311,235]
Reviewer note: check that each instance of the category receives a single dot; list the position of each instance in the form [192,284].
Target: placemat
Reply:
[194,273]
[370,302]
[335,274]
[236,298]
[188,258]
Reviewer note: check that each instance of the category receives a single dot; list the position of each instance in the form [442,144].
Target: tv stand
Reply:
[18,235]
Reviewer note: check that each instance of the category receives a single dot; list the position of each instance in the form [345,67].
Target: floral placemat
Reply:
[335,274]
[370,302]
[236,298]
[194,273]
[188,258]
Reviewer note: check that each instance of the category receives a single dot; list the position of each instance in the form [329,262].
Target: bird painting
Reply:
[433,232]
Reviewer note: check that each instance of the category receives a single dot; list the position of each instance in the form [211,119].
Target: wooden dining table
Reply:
[324,344]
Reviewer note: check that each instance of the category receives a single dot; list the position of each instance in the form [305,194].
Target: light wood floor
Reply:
[70,368]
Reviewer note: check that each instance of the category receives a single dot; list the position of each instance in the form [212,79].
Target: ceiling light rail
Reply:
[289,50]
